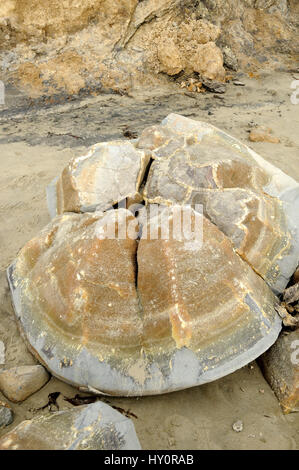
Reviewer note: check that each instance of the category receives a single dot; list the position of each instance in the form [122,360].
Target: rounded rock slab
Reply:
[19,383]
[92,427]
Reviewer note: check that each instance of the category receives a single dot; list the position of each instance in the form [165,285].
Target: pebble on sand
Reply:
[19,383]
[238,426]
[93,427]
[263,134]
[6,414]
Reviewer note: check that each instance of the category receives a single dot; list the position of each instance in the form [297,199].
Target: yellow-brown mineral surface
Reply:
[107,313]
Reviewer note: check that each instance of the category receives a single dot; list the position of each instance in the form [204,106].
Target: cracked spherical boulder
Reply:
[93,427]
[114,314]
[252,202]
[108,174]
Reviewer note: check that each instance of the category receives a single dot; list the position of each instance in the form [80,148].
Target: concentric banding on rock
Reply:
[109,173]
[254,203]
[191,313]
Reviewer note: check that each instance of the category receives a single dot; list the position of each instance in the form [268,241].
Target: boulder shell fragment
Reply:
[108,174]
[131,318]
[93,427]
[252,202]
[280,366]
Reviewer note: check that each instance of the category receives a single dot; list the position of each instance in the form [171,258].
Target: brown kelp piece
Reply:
[109,173]
[280,366]
[93,427]
[255,204]
[113,315]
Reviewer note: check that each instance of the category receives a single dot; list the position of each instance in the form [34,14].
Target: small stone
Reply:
[93,427]
[295,278]
[229,58]
[238,426]
[215,87]
[2,353]
[291,294]
[280,366]
[6,414]
[237,83]
[19,383]
[263,134]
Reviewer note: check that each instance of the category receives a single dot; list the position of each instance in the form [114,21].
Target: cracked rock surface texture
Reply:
[191,313]
[71,46]
[92,427]
[280,366]
[255,204]
[107,306]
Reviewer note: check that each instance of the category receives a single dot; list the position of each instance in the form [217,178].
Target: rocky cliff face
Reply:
[66,46]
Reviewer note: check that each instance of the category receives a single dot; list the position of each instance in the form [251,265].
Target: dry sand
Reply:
[35,145]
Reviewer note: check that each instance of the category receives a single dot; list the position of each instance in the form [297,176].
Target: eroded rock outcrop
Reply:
[92,427]
[71,46]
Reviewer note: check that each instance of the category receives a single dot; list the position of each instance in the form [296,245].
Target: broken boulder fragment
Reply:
[93,427]
[19,383]
[255,204]
[108,174]
[280,366]
[115,316]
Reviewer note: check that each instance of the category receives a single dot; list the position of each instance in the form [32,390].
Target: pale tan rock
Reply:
[252,202]
[6,415]
[19,383]
[59,49]
[208,62]
[93,427]
[108,174]
[280,366]
[169,56]
[263,134]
